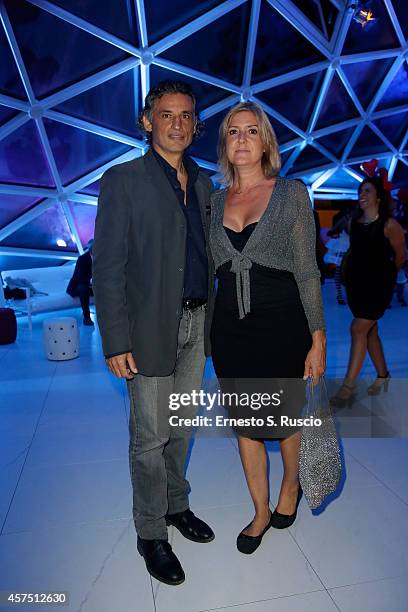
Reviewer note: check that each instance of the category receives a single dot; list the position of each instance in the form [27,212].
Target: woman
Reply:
[370,269]
[268,318]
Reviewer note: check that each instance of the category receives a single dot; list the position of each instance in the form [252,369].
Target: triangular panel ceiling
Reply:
[368,143]
[117,17]
[12,206]
[377,35]
[295,100]
[365,77]
[397,92]
[22,158]
[215,57]
[279,46]
[309,158]
[84,216]
[58,54]
[337,105]
[110,104]
[43,232]
[78,152]
[10,82]
[163,18]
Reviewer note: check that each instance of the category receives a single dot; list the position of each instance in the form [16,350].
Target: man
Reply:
[153,287]
[80,283]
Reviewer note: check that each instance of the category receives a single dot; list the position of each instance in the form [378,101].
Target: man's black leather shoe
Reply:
[161,562]
[190,526]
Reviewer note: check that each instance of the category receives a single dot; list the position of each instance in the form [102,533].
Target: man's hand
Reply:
[122,366]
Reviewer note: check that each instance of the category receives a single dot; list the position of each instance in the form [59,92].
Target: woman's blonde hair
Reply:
[271,161]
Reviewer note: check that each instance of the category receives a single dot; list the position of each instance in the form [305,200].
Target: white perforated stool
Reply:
[61,338]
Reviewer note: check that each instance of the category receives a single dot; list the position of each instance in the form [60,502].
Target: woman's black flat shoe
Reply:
[282,521]
[248,544]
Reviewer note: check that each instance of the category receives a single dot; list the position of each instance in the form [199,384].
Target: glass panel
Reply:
[400,178]
[368,144]
[207,51]
[96,105]
[92,188]
[12,206]
[43,232]
[6,114]
[323,14]
[279,47]
[337,106]
[84,216]
[296,99]
[78,152]
[309,158]
[55,53]
[401,9]
[283,133]
[393,127]
[336,142]
[366,77]
[341,179]
[118,18]
[377,35]
[10,81]
[206,144]
[397,92]
[22,159]
[206,94]
[162,18]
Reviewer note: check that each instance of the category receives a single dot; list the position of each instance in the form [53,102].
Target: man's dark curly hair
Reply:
[159,90]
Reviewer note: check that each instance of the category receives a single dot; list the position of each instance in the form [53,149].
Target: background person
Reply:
[80,283]
[377,252]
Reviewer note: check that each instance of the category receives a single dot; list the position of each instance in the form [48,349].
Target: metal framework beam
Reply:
[16,54]
[250,50]
[40,253]
[300,22]
[86,26]
[195,25]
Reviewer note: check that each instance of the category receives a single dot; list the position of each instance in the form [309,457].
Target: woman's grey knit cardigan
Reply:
[284,239]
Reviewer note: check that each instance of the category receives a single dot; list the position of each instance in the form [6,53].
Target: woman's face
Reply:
[368,196]
[244,145]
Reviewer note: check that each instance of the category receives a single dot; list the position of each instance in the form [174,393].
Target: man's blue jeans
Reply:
[158,451]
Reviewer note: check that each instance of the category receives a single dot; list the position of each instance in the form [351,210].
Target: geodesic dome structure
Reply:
[74,74]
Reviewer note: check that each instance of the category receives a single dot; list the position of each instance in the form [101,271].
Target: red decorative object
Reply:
[370,167]
[8,326]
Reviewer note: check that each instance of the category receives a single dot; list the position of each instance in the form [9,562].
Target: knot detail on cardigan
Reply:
[241,265]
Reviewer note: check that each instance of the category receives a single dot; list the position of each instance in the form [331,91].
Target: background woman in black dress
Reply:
[377,252]
[268,319]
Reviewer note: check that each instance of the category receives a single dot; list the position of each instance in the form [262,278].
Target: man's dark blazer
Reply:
[138,263]
[82,274]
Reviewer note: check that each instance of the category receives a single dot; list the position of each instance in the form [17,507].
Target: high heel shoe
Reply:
[248,544]
[282,521]
[345,396]
[379,383]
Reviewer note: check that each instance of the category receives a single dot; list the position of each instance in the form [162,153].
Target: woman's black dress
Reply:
[271,342]
[370,273]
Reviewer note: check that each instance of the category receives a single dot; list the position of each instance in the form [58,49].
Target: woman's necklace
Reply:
[371,220]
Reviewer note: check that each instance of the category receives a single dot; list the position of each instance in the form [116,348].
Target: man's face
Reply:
[173,123]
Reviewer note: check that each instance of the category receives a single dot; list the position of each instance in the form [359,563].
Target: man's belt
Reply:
[191,303]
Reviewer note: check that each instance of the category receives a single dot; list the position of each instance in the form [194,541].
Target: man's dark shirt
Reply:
[196,266]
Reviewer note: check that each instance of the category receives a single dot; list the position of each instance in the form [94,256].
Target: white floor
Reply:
[65,499]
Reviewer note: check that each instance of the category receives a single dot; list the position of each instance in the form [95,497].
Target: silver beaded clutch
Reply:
[319,457]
